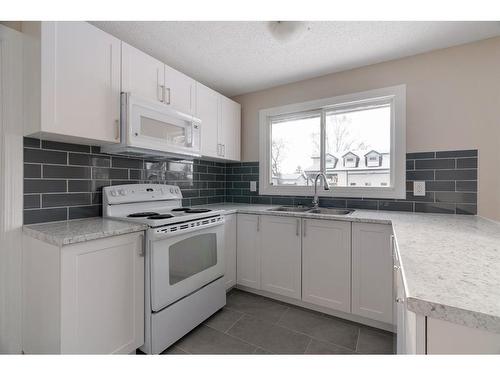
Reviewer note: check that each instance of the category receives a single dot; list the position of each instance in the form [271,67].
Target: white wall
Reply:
[453,102]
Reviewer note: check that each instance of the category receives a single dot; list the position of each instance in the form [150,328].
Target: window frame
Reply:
[395,95]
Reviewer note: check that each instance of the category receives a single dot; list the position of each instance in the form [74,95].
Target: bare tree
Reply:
[277,154]
[340,138]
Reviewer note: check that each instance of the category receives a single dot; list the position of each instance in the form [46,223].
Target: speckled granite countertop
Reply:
[61,233]
[451,263]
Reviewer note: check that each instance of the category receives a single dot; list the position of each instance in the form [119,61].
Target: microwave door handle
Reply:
[189,141]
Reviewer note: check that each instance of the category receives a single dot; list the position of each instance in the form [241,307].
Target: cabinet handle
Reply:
[117,129]
[142,246]
[223,150]
[399,300]
[297,229]
[161,93]
[305,226]
[258,223]
[167,89]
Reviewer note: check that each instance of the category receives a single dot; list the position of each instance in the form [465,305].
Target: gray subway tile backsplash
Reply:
[450,176]
[64,181]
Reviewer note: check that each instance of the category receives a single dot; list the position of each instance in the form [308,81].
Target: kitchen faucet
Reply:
[325,186]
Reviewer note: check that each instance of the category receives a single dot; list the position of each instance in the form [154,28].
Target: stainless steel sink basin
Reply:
[330,211]
[290,209]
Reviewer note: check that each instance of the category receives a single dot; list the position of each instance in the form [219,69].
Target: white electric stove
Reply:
[184,258]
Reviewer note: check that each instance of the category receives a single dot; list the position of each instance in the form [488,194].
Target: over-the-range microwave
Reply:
[149,128]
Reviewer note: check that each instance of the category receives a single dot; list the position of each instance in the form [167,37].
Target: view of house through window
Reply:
[356,151]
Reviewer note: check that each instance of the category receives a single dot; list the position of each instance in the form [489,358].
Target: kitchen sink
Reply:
[308,210]
[290,209]
[330,211]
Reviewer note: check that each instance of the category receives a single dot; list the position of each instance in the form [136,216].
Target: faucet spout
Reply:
[315,201]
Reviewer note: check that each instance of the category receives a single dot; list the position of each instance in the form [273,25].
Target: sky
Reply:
[370,126]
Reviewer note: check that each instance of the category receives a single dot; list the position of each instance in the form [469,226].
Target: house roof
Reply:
[372,152]
[351,153]
[360,154]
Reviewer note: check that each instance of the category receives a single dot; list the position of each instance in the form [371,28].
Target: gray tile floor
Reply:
[251,324]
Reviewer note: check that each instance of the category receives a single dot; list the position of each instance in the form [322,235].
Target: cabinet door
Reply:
[230,250]
[399,311]
[179,91]
[248,250]
[102,296]
[80,81]
[372,280]
[281,255]
[207,110]
[326,263]
[142,75]
[230,128]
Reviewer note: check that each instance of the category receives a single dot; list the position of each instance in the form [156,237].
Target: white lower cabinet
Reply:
[332,264]
[281,255]
[326,263]
[230,250]
[248,251]
[372,277]
[84,298]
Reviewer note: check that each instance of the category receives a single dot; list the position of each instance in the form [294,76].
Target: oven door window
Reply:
[192,256]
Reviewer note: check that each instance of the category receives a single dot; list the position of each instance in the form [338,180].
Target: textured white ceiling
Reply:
[240,57]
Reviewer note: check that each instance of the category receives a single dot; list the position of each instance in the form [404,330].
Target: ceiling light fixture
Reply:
[288,31]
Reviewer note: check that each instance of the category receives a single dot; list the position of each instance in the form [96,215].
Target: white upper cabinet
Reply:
[142,74]
[229,130]
[74,73]
[372,274]
[145,76]
[220,124]
[72,82]
[180,91]
[326,263]
[281,255]
[207,110]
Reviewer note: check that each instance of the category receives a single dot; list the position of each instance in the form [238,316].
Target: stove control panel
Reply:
[120,194]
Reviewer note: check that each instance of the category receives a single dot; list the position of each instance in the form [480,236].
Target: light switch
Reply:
[419,188]
[253,185]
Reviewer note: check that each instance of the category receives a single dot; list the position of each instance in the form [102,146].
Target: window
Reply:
[357,141]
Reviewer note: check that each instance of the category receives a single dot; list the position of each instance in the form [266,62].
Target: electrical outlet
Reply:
[419,188]
[253,185]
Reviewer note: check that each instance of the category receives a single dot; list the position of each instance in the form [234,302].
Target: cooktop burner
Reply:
[158,216]
[189,210]
[197,210]
[142,214]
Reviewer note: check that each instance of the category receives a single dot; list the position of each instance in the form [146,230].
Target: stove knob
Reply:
[177,190]
[113,193]
[122,192]
[172,190]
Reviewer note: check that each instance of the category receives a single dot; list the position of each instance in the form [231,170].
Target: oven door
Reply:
[184,263]
[152,125]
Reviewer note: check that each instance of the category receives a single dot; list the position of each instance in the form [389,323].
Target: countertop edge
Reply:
[69,240]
